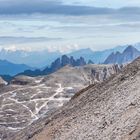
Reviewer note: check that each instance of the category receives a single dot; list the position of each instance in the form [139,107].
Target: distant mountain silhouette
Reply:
[8,68]
[128,55]
[95,56]
[7,78]
[56,65]
[86,53]
[29,57]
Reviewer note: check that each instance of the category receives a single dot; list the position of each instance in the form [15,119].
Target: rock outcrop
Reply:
[22,80]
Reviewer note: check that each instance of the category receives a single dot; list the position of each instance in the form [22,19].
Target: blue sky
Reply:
[68,25]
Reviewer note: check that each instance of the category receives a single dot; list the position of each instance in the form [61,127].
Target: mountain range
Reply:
[10,69]
[56,65]
[95,56]
[103,111]
[46,57]
[29,57]
[128,55]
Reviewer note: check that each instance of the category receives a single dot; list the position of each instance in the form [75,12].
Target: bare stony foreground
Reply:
[28,100]
[106,111]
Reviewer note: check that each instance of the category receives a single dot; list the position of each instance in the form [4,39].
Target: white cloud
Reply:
[15,48]
[63,48]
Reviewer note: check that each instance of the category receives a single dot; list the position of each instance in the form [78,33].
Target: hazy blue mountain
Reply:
[56,65]
[97,56]
[128,55]
[41,59]
[34,59]
[86,53]
[137,46]
[8,68]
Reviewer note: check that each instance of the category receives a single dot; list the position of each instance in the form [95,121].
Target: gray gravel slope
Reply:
[106,111]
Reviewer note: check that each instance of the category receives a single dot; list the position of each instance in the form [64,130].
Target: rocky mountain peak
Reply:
[56,65]
[128,55]
[130,48]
